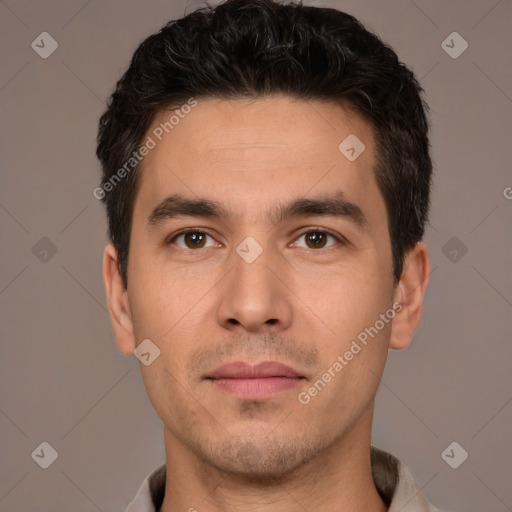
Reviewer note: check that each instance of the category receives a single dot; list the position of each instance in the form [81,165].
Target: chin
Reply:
[263,461]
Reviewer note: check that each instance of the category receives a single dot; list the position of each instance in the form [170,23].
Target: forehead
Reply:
[252,153]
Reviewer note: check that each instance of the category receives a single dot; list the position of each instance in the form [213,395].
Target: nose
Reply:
[253,299]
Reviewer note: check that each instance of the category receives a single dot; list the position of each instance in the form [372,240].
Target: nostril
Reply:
[271,321]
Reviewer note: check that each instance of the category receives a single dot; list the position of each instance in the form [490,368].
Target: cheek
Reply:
[347,298]
[166,390]
[169,309]
[350,377]
[349,302]
[162,296]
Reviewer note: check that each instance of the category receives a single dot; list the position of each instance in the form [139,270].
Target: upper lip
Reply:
[242,370]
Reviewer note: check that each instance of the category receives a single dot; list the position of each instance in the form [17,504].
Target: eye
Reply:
[317,239]
[192,239]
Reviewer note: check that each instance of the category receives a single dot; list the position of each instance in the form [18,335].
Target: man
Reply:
[266,174]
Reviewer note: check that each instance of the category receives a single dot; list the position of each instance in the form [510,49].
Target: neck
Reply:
[339,478]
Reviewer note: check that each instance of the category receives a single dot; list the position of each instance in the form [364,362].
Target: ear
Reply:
[409,293]
[118,305]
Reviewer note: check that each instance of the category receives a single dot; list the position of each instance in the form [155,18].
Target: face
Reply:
[260,266]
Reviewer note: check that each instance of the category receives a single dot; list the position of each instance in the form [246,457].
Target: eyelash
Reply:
[340,239]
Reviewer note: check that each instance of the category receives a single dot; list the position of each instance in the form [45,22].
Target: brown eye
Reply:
[316,239]
[193,240]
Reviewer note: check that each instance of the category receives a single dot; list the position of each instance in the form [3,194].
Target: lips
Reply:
[254,382]
[241,370]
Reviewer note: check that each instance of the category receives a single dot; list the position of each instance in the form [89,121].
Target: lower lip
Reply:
[256,389]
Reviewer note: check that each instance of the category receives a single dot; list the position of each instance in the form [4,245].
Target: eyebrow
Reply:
[335,205]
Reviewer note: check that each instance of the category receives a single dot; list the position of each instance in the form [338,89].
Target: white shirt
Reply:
[393,480]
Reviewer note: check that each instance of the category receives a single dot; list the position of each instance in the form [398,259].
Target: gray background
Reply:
[62,379]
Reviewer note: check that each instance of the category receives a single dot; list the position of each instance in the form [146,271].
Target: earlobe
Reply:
[118,304]
[410,293]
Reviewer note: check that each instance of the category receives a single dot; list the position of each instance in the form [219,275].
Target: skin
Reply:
[296,304]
